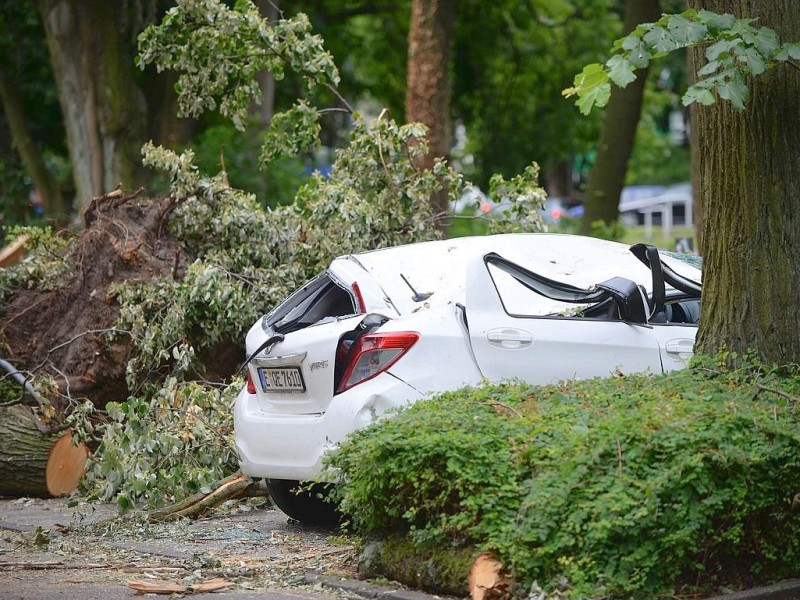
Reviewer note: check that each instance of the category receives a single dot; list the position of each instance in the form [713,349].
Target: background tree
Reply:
[607,176]
[26,80]
[430,38]
[104,109]
[511,62]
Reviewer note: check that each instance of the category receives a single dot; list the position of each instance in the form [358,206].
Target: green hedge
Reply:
[620,487]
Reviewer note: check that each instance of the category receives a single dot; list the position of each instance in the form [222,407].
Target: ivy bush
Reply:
[643,485]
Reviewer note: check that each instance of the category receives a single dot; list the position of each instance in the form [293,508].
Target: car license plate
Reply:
[285,379]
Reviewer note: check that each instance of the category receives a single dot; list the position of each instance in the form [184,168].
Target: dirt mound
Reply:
[63,331]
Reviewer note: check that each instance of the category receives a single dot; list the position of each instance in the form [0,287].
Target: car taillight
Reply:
[251,387]
[374,353]
[362,307]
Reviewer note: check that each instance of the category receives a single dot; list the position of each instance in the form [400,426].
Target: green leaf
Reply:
[709,68]
[719,50]
[687,32]
[734,90]
[697,94]
[754,61]
[765,40]
[621,71]
[591,86]
[716,22]
[637,52]
[660,40]
[788,51]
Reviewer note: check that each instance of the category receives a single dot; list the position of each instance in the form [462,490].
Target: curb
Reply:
[369,590]
[785,590]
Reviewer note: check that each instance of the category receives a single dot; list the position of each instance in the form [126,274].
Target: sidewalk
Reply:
[49,549]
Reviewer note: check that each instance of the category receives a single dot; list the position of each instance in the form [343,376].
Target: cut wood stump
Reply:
[488,579]
[35,461]
[14,252]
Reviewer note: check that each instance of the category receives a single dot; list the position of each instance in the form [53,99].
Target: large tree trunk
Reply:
[428,94]
[751,205]
[29,152]
[102,105]
[607,176]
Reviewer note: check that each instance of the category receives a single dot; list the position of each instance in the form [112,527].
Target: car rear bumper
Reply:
[287,446]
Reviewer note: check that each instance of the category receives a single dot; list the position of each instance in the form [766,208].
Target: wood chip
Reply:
[212,585]
[155,587]
[170,587]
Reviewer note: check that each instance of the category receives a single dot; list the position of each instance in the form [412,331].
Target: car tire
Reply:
[308,505]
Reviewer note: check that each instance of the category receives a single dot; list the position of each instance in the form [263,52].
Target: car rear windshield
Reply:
[318,299]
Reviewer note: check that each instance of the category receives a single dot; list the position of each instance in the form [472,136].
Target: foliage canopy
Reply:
[735,48]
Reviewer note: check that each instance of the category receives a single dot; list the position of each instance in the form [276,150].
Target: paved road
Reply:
[49,550]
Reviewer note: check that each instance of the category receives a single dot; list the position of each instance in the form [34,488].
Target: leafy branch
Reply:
[735,49]
[219,50]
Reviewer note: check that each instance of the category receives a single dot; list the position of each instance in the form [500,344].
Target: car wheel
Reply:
[308,505]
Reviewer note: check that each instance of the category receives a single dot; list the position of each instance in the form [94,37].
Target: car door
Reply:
[516,334]
[677,336]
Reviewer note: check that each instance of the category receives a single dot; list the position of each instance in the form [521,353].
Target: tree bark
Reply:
[102,105]
[607,177]
[30,154]
[35,461]
[751,203]
[428,87]
[694,57]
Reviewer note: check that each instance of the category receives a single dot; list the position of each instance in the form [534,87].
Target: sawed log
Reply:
[35,461]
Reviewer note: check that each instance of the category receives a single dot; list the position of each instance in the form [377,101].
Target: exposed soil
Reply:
[62,331]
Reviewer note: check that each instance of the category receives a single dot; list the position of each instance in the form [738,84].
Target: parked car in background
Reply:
[382,329]
[473,202]
[557,208]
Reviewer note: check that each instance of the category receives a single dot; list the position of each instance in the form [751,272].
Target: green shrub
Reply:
[618,487]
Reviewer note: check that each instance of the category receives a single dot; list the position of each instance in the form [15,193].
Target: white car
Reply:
[382,329]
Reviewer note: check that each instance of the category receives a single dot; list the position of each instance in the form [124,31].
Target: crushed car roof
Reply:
[440,267]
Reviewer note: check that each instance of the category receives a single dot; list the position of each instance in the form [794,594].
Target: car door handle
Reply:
[680,347]
[509,338]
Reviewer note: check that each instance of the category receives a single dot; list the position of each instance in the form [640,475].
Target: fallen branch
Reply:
[235,486]
[762,388]
[57,564]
